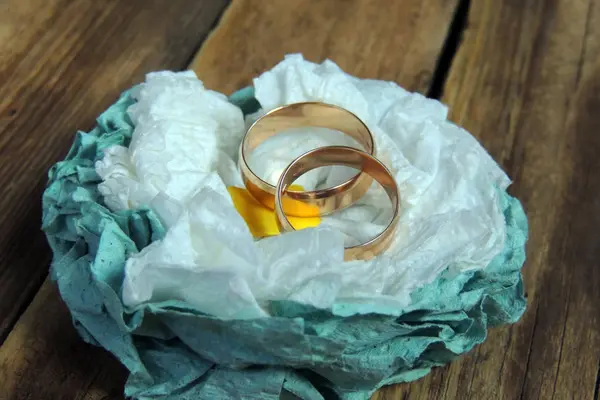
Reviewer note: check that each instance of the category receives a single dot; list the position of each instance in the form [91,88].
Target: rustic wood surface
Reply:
[525,79]
[44,358]
[61,63]
[399,42]
[526,82]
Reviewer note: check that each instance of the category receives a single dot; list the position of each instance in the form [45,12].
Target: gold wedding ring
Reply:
[349,157]
[308,114]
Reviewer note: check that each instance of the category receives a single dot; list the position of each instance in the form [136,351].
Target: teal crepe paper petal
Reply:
[173,351]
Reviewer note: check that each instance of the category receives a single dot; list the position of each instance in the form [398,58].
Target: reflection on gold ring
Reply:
[308,114]
[349,157]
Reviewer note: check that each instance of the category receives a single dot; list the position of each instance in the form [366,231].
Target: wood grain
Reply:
[400,41]
[403,46]
[526,82]
[61,63]
[55,362]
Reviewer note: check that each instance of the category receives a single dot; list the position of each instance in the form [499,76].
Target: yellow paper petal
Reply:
[262,220]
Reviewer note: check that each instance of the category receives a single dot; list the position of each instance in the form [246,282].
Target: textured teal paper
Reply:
[175,352]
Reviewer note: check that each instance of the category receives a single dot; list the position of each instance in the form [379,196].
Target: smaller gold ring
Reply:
[353,158]
[315,114]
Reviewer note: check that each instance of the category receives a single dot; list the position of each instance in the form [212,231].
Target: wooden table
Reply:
[521,75]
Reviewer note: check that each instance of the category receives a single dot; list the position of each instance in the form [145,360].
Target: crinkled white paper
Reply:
[184,153]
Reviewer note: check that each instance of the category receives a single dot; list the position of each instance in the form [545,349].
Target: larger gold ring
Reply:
[353,158]
[315,114]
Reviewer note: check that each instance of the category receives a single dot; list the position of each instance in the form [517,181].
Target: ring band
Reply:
[316,114]
[349,157]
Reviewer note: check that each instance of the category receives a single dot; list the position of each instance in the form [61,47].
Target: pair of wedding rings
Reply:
[324,201]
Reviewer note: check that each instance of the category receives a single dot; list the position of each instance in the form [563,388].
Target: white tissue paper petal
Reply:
[183,156]
[181,132]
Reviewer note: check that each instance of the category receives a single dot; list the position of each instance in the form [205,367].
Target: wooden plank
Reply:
[403,46]
[56,363]
[526,82]
[399,41]
[61,63]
